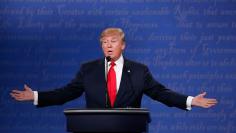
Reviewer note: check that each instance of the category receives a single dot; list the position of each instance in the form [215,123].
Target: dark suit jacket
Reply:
[136,80]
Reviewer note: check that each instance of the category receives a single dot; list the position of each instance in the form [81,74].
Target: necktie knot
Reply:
[113,64]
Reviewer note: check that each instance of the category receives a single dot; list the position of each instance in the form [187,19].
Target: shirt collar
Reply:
[118,62]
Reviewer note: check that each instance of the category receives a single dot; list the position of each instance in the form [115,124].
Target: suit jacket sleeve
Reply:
[160,93]
[62,95]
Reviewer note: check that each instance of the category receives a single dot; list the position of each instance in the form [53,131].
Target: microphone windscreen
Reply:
[108,58]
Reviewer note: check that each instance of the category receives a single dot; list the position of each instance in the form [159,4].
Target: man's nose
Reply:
[109,45]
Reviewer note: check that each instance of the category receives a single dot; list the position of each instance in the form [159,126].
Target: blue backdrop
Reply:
[189,46]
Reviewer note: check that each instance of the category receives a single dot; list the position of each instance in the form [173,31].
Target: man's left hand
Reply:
[200,101]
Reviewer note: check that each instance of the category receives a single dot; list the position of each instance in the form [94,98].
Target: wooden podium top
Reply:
[110,110]
[114,120]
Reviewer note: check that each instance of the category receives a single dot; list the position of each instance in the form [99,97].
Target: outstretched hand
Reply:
[25,95]
[200,101]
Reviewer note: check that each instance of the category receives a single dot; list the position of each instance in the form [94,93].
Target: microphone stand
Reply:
[108,58]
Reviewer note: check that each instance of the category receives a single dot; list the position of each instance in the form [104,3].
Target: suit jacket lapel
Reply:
[101,71]
[125,85]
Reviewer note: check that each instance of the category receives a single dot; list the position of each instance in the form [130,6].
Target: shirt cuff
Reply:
[189,102]
[35,97]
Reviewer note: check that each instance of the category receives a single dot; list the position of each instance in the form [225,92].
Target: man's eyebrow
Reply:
[114,38]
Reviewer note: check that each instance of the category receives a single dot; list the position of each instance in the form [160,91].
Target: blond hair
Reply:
[113,32]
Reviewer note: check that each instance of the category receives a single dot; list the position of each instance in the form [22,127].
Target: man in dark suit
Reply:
[113,82]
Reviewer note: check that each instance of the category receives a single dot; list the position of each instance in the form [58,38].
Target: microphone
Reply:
[108,58]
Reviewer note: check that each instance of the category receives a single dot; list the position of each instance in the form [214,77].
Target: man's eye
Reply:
[113,40]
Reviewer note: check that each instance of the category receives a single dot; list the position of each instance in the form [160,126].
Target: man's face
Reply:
[112,46]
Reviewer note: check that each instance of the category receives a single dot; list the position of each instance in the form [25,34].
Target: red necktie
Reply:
[111,84]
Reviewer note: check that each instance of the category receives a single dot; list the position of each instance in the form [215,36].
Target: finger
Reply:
[16,91]
[212,102]
[15,95]
[19,98]
[209,105]
[22,94]
[206,105]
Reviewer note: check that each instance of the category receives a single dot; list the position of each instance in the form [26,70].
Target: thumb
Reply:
[27,88]
[202,94]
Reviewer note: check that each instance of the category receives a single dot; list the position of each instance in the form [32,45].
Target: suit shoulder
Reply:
[92,64]
[136,64]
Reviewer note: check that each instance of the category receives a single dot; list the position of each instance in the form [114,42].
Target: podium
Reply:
[118,120]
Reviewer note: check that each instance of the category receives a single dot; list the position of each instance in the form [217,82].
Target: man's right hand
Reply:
[26,95]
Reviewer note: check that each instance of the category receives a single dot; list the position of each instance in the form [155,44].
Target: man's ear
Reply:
[123,46]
